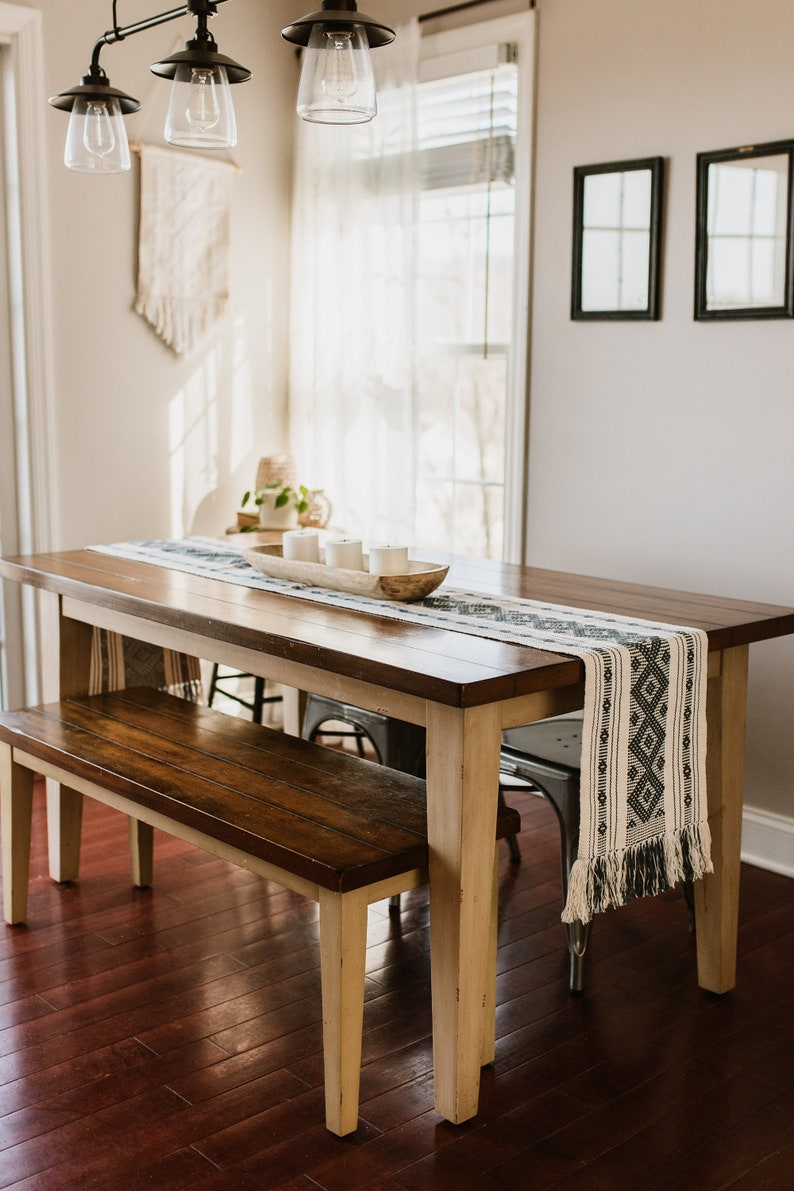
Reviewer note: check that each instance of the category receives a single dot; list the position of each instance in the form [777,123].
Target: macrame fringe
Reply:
[641,871]
[183,245]
[182,325]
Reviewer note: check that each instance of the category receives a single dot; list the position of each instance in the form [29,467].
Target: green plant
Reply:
[285,495]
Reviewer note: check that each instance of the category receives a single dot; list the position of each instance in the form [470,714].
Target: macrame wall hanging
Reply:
[183,244]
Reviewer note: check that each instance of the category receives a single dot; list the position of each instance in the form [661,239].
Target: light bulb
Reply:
[340,78]
[96,140]
[98,135]
[200,111]
[203,110]
[337,85]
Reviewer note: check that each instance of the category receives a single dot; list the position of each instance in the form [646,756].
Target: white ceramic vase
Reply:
[285,517]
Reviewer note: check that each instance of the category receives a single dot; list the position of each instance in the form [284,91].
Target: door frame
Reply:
[30,522]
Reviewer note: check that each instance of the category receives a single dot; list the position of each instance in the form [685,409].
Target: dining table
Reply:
[463,689]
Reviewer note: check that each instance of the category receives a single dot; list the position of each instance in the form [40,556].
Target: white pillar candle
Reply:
[388,560]
[345,553]
[301,545]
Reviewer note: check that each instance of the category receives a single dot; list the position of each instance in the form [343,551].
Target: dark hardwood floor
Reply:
[171,1039]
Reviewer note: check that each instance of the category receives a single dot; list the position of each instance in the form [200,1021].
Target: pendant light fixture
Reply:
[200,114]
[337,85]
[96,140]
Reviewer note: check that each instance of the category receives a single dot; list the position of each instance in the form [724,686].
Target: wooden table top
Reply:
[445,666]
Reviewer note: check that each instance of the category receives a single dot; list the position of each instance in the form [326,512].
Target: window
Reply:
[464,297]
[426,371]
[747,229]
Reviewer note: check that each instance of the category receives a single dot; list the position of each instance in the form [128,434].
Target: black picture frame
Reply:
[642,302]
[722,256]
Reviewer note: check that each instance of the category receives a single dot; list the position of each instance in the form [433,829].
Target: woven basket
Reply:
[276,469]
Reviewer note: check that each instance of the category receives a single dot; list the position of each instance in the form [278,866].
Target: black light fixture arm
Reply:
[200,112]
[202,9]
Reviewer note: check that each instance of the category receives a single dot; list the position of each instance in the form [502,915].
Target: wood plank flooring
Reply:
[170,1039]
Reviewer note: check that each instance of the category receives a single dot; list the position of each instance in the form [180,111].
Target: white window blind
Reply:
[466,147]
[467,129]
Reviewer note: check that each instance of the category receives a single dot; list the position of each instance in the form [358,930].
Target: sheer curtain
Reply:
[352,356]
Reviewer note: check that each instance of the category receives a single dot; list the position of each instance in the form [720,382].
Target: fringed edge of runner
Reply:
[192,691]
[641,871]
[182,674]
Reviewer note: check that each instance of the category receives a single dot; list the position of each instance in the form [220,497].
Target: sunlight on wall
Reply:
[193,441]
[241,428]
[210,434]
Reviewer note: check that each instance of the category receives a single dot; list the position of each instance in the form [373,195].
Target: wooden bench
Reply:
[340,830]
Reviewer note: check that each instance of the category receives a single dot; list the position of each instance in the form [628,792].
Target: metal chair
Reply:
[254,705]
[547,755]
[397,744]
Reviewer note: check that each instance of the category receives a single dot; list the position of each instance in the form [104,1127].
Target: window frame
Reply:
[459,43]
[703,238]
[650,311]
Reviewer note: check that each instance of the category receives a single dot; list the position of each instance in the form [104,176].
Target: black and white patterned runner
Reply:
[643,797]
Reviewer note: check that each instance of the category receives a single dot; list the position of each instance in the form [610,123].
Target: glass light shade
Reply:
[96,140]
[337,85]
[201,112]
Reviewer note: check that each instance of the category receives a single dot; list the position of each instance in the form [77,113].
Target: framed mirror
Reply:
[744,233]
[617,237]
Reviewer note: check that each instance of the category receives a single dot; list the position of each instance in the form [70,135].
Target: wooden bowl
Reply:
[421,579]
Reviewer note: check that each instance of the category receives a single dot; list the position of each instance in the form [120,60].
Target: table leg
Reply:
[462,791]
[66,667]
[488,1050]
[717,895]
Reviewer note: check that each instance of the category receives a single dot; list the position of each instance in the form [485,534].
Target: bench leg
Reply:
[343,946]
[16,806]
[64,821]
[141,852]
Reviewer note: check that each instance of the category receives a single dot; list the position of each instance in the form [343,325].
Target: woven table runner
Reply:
[643,785]
[118,662]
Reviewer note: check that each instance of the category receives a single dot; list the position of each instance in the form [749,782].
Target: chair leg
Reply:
[564,797]
[259,700]
[511,840]
[213,684]
[16,807]
[343,946]
[578,938]
[689,898]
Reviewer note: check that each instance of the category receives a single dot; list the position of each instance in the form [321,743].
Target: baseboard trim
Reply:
[768,841]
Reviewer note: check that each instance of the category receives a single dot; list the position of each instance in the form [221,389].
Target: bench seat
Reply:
[341,830]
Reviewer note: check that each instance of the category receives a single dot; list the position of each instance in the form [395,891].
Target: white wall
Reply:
[659,452]
[150,443]
[664,452]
